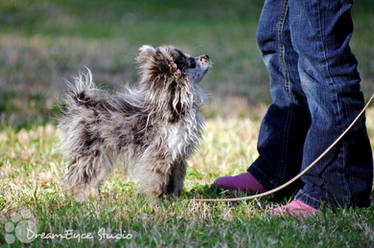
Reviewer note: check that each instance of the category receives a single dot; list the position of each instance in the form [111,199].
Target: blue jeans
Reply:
[315,87]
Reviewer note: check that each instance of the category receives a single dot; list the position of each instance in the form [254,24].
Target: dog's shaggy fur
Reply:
[152,129]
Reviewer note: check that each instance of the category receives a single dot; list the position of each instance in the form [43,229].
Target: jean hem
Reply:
[307,199]
[260,176]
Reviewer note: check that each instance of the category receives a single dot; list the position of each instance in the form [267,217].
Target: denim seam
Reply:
[308,196]
[280,25]
[337,103]
[331,82]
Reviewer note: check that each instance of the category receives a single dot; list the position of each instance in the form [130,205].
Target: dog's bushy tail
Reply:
[82,92]
[80,99]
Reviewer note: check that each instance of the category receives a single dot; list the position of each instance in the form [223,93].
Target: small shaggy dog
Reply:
[152,129]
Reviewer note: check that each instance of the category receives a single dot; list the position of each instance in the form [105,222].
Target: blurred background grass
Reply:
[43,43]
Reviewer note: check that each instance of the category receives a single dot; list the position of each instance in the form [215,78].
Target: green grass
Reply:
[42,43]
[32,168]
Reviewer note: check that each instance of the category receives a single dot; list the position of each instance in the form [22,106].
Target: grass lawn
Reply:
[42,43]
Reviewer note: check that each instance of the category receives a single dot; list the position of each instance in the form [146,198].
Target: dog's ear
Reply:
[156,63]
[145,52]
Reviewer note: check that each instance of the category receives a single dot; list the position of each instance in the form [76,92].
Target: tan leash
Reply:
[297,176]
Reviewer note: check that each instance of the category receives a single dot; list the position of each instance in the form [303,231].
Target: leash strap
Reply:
[298,175]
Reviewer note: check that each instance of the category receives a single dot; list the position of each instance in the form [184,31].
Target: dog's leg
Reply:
[103,167]
[176,178]
[79,192]
[153,178]
[88,170]
[76,178]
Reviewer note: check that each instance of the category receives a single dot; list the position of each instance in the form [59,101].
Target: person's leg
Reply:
[283,129]
[320,34]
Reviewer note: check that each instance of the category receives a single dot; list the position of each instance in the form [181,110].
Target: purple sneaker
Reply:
[295,208]
[244,182]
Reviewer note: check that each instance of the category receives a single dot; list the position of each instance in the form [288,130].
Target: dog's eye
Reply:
[191,63]
[180,61]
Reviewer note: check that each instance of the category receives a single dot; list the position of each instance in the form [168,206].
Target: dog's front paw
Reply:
[81,197]
[79,193]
